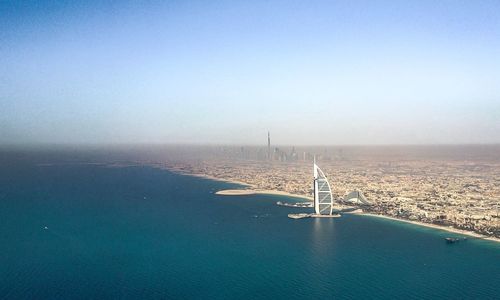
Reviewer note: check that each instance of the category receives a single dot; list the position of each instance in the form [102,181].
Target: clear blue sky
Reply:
[367,72]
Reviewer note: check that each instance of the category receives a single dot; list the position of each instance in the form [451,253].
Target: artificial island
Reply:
[323,200]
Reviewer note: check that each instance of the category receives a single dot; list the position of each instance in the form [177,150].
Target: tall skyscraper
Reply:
[268,146]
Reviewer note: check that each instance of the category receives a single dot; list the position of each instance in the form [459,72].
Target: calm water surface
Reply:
[139,232]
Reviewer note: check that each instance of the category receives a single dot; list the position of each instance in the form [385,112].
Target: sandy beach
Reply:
[434,226]
[254,191]
[235,192]
[214,178]
[249,190]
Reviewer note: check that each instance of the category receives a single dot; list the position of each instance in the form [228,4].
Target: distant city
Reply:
[445,185]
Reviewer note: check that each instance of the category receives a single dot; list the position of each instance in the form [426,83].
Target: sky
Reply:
[226,72]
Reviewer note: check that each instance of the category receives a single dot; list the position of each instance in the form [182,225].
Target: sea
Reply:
[73,230]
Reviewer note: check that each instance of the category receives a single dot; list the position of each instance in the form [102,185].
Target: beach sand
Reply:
[434,226]
[235,192]
[244,192]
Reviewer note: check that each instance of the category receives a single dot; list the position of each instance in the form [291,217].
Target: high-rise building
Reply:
[323,198]
[268,146]
[293,155]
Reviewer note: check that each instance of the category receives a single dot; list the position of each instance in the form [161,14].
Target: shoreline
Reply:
[245,192]
[435,226]
[251,188]
[213,178]
[417,223]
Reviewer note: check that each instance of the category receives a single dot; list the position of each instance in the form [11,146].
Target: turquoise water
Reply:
[139,232]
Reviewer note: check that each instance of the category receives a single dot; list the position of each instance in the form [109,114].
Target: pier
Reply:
[304,215]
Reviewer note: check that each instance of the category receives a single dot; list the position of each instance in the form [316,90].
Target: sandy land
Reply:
[235,192]
[270,192]
[218,179]
[250,190]
[253,192]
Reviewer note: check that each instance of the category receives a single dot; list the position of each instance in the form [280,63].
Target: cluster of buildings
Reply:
[437,188]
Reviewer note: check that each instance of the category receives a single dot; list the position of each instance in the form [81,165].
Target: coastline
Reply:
[434,226]
[274,192]
[251,188]
[213,178]
[271,192]
[244,192]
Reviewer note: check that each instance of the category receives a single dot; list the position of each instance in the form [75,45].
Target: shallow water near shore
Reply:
[90,231]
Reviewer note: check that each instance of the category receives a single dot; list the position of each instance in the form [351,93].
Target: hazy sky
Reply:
[373,72]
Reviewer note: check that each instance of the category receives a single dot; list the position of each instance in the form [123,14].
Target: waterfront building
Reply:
[268,146]
[323,198]
[356,197]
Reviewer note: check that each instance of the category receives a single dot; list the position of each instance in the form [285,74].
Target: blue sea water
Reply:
[76,231]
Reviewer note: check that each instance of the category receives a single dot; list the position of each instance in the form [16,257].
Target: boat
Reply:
[450,240]
[298,204]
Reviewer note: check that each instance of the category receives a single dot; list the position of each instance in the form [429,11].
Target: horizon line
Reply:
[142,144]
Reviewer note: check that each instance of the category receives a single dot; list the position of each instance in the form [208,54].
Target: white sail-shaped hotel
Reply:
[323,198]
